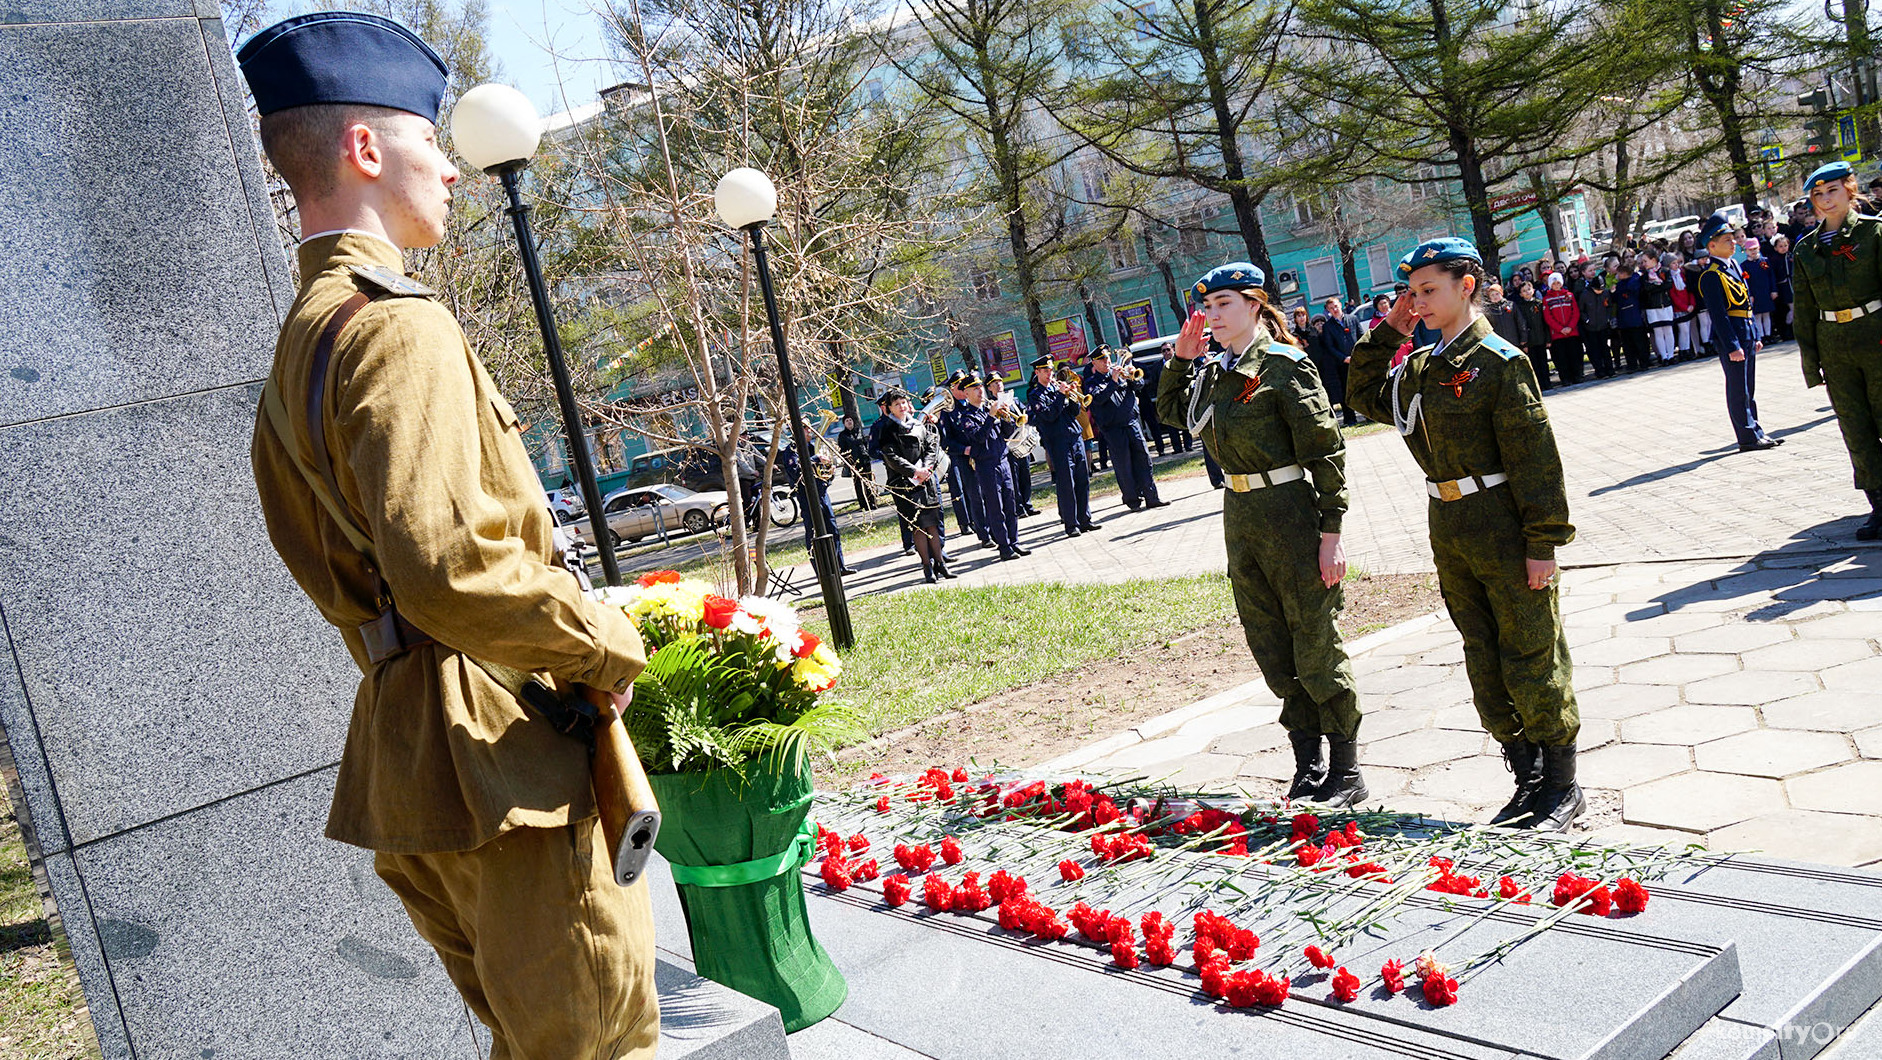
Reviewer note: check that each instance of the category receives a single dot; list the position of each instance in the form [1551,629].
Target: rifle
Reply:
[630,817]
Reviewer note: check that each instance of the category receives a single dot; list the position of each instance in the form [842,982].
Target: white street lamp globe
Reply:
[493,125]
[745,197]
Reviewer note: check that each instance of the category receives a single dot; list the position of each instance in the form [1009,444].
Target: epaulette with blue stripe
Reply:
[1282,349]
[1501,346]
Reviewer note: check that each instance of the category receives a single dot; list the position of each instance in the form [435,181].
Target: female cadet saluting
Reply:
[1262,413]
[1837,278]
[1471,411]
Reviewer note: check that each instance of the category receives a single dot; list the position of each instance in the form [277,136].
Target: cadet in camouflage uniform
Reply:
[1264,416]
[1838,280]
[1471,411]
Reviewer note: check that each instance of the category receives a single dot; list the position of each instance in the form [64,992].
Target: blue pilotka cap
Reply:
[1826,173]
[343,57]
[1438,251]
[1716,224]
[1235,276]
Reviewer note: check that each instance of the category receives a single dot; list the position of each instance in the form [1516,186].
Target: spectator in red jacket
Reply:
[1562,313]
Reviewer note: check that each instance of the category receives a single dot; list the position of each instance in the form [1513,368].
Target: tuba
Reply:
[1074,388]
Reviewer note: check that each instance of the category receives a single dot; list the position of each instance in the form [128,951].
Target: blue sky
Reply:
[552,50]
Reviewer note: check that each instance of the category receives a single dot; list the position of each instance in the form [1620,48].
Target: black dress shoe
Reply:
[1777,441]
[1007,554]
[846,570]
[986,542]
[1090,526]
[1762,443]
[1030,510]
[1158,504]
[1072,531]
[1020,551]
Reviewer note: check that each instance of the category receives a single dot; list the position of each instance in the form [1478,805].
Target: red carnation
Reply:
[1507,887]
[1215,975]
[1306,826]
[1003,884]
[970,896]
[1159,952]
[937,895]
[1119,930]
[858,843]
[1308,856]
[1368,870]
[1156,926]
[719,611]
[1271,990]
[896,889]
[1345,986]
[950,851]
[1124,955]
[1393,972]
[835,875]
[1241,944]
[1204,948]
[1570,888]
[1071,871]
[831,844]
[1440,990]
[1629,896]
[653,578]
[1318,957]
[882,804]
[960,775]
[1241,988]
[1104,811]
[867,870]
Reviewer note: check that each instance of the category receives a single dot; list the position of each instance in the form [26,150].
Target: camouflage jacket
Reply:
[1843,275]
[1269,411]
[1479,412]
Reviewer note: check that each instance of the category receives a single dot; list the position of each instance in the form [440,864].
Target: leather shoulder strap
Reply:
[317,389]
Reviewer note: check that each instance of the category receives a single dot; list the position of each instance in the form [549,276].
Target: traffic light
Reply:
[1820,135]
[1818,100]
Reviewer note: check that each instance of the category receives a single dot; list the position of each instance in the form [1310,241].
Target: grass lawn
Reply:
[42,1014]
[920,654]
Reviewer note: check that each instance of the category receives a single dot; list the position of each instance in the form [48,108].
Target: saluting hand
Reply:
[1189,344]
[1401,318]
[1541,572]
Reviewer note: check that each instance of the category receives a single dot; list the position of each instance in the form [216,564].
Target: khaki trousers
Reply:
[553,956]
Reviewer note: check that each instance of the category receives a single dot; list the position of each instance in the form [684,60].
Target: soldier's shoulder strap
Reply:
[1501,346]
[384,281]
[1282,349]
[319,477]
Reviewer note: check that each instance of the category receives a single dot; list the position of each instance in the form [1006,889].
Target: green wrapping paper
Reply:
[753,937]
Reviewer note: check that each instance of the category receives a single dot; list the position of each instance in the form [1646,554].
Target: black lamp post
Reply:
[747,200]
[496,129]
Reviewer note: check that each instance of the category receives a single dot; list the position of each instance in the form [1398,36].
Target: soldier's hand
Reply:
[1189,344]
[1736,355]
[1401,318]
[1813,377]
[1541,572]
[1332,560]
[1757,347]
[607,701]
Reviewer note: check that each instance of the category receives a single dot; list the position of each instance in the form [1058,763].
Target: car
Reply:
[662,507]
[567,505]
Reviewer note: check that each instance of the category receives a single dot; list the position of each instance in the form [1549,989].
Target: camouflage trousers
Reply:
[1287,614]
[1855,386]
[1515,649]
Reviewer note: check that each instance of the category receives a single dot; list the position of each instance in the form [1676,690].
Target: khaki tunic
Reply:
[431,465]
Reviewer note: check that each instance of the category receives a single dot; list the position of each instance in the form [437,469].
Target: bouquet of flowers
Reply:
[726,680]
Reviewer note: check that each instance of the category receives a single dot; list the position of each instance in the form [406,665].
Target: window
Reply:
[986,285]
[873,91]
[1323,278]
[1192,239]
[1123,253]
[1425,186]
[1091,181]
[1146,19]
[1379,264]
[1304,212]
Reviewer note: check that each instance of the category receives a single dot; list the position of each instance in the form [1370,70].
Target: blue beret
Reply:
[1824,174]
[1234,276]
[1435,251]
[342,57]
[1715,225]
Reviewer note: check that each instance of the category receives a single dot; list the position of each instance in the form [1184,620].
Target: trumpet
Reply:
[1134,374]
[1072,386]
[1009,413]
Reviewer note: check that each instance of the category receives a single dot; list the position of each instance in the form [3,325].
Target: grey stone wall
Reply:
[172,705]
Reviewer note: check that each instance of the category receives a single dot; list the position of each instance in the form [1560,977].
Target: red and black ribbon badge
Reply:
[1459,380]
[1847,250]
[1249,386]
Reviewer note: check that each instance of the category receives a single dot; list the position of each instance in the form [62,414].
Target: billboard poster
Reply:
[1136,321]
[1000,353]
[1065,339]
[938,364]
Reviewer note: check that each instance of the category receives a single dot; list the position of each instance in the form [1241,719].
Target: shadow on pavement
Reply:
[1790,575]
[1705,457]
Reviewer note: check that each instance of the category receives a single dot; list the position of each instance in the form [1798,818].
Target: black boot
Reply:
[1872,529]
[927,571]
[1310,764]
[1558,800]
[941,568]
[1344,786]
[1525,760]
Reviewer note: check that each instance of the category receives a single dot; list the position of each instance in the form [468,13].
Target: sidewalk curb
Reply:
[1175,719]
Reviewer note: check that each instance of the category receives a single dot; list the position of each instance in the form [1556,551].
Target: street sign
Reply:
[1771,153]
[1846,133]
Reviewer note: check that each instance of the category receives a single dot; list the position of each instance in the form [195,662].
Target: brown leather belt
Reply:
[391,634]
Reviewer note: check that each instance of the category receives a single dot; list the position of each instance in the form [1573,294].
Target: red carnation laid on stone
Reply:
[882,804]
[1629,896]
[835,874]
[896,889]
[858,843]
[1318,957]
[1071,871]
[1393,973]
[866,870]
[1345,985]
[950,850]
[1440,990]
[937,895]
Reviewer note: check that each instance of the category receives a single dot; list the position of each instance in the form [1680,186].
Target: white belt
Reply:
[1844,316]
[1263,479]
[1464,487]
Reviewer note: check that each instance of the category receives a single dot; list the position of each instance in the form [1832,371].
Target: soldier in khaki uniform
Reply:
[1471,411]
[1838,280]
[1262,412]
[398,492]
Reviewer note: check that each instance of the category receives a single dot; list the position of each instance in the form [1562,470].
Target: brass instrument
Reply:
[1074,387]
[1135,374]
[822,464]
[941,402]
[1009,412]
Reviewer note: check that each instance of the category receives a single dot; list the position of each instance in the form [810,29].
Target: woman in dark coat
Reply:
[911,454]
[1535,332]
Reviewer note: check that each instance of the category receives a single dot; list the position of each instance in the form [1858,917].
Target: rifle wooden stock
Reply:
[630,817]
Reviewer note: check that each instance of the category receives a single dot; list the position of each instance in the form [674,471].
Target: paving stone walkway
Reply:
[1733,704]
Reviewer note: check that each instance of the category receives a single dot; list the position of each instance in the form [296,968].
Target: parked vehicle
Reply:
[633,514]
[567,504]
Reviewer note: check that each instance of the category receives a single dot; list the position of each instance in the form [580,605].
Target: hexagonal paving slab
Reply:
[1478,781]
[1625,701]
[1733,637]
[1415,750]
[1596,732]
[1854,788]
[1388,722]
[1805,835]
[1460,717]
[1251,740]
[1155,752]
[1809,655]
[1200,769]
[1750,688]
[1826,711]
[1225,720]
[1773,753]
[1446,693]
[1677,624]
[1448,655]
[1621,649]
[1688,724]
[1677,669]
[1587,677]
[1701,801]
[1624,765]
[1849,624]
[1869,743]
[1864,676]
[1386,682]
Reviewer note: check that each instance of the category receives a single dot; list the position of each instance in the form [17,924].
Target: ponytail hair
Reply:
[1270,317]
